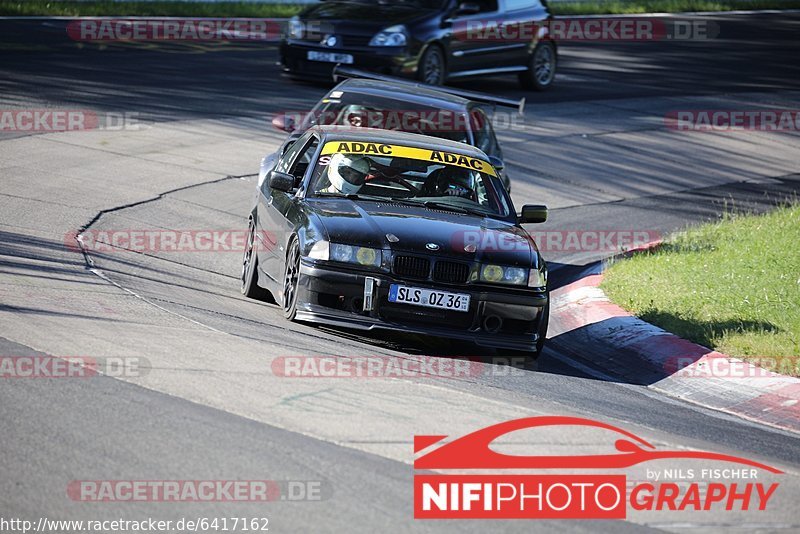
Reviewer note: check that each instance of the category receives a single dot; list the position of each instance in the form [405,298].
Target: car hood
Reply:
[418,229]
[353,15]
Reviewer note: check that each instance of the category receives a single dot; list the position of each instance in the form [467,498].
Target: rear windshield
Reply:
[356,110]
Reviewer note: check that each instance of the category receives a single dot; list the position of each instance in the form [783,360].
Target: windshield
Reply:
[408,175]
[342,108]
[424,4]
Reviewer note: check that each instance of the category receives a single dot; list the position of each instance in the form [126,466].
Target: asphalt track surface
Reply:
[210,408]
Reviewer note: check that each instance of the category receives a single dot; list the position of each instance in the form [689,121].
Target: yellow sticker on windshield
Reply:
[435,156]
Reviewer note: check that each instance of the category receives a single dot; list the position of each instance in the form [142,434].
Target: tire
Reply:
[249,286]
[532,357]
[541,71]
[432,68]
[291,278]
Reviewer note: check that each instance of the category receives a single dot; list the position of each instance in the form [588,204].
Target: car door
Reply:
[473,45]
[521,23]
[271,223]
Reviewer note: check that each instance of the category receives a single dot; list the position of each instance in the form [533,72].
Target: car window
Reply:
[437,179]
[513,5]
[487,6]
[291,152]
[482,130]
[301,163]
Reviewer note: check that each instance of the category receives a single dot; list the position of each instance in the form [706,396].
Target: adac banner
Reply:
[399,151]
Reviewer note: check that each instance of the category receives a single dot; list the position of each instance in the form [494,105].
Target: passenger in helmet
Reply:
[450,181]
[356,116]
[347,173]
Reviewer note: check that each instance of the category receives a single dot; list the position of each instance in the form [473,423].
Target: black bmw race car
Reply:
[373,229]
[371,100]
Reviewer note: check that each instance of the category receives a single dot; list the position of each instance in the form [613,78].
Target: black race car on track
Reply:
[431,40]
[365,99]
[375,229]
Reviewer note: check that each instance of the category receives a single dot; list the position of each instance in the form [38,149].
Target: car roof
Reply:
[410,92]
[394,137]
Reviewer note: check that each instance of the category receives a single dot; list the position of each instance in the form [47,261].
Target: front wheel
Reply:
[541,68]
[290,281]
[431,68]
[249,286]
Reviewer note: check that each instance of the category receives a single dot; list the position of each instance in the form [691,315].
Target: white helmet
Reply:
[347,173]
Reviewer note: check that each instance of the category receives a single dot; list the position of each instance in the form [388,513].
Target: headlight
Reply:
[392,36]
[320,251]
[538,278]
[497,274]
[296,28]
[368,257]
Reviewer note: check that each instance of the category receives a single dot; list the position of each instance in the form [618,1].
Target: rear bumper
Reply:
[336,298]
[389,60]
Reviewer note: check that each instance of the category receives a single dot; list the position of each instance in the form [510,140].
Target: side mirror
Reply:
[468,8]
[284,123]
[533,213]
[497,163]
[280,181]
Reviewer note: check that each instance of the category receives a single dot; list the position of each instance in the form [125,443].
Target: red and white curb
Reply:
[685,370]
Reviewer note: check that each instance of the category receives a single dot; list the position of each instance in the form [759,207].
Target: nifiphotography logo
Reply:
[503,495]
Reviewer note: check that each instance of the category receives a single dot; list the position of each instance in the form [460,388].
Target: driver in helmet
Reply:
[347,173]
[454,182]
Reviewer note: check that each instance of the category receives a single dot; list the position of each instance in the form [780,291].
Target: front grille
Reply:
[345,41]
[412,267]
[450,272]
[355,40]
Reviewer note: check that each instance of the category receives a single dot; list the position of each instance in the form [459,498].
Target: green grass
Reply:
[625,7]
[254,9]
[96,8]
[733,286]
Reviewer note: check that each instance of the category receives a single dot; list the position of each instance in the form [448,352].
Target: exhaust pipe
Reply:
[492,324]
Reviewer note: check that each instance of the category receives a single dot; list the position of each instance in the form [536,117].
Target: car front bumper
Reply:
[336,297]
[394,61]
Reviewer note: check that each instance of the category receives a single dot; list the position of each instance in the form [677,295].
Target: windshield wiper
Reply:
[409,202]
[354,196]
[351,196]
[457,209]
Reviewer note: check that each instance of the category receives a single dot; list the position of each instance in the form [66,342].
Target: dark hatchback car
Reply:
[374,229]
[431,40]
[462,116]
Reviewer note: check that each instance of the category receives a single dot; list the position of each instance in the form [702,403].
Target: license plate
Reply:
[431,298]
[330,57]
